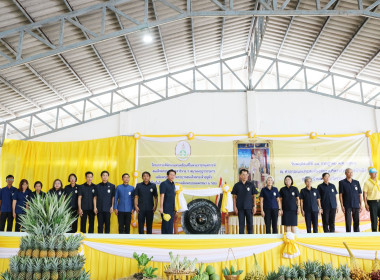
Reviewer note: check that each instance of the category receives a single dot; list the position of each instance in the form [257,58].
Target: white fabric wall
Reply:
[232,113]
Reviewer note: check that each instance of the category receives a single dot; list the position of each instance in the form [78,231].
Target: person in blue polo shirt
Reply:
[310,205]
[350,200]
[124,204]
[328,192]
[270,205]
[289,197]
[167,202]
[244,199]
[6,200]
[146,199]
[20,198]
[103,202]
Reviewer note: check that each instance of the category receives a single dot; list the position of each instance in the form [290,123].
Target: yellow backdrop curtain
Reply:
[47,161]
[375,149]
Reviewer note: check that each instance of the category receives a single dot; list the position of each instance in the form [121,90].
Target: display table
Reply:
[110,256]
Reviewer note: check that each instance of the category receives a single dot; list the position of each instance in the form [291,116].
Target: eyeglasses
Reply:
[10,179]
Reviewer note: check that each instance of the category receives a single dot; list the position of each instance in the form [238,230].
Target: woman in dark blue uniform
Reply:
[20,199]
[37,190]
[57,188]
[270,205]
[71,192]
[289,197]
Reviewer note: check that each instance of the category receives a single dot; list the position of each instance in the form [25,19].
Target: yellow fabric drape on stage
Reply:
[47,161]
[106,266]
[375,149]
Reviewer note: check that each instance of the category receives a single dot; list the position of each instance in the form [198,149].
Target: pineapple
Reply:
[29,247]
[281,272]
[327,271]
[43,243]
[80,260]
[58,252]
[74,244]
[14,266]
[23,245]
[272,276]
[29,269]
[51,246]
[345,271]
[54,269]
[62,269]
[36,248]
[311,269]
[288,273]
[294,272]
[37,269]
[65,248]
[70,268]
[22,266]
[45,268]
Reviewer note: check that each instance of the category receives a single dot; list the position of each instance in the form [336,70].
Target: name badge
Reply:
[129,193]
[76,191]
[13,194]
[59,193]
[151,190]
[109,191]
[274,194]
[93,190]
[26,196]
[315,194]
[356,188]
[248,189]
[332,190]
[293,194]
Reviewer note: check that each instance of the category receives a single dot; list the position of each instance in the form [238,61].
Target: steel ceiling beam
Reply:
[127,95]
[161,39]
[44,37]
[70,8]
[269,9]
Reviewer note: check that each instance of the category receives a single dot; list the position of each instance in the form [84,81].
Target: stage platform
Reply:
[110,256]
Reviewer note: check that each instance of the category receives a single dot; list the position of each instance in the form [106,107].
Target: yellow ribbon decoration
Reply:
[290,249]
[177,203]
[224,199]
[376,183]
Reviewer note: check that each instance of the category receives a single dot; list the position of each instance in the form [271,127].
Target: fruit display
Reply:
[46,253]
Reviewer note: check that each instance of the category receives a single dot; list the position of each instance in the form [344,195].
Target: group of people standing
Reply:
[101,200]
[310,202]
[89,200]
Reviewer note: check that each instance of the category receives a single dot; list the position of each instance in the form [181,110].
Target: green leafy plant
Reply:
[231,271]
[148,272]
[201,274]
[142,260]
[177,266]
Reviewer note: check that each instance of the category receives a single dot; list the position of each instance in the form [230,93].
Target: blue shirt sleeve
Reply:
[360,188]
[162,188]
[301,195]
[133,198]
[297,192]
[340,187]
[318,195]
[116,198]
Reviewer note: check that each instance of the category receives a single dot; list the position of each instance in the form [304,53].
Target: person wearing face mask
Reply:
[270,205]
[371,194]
[6,200]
